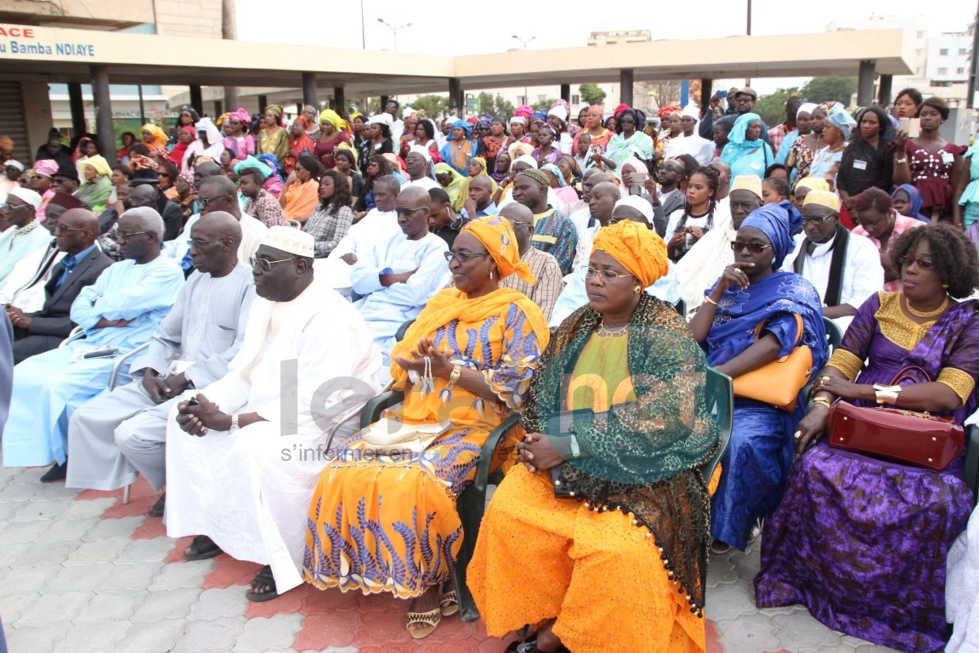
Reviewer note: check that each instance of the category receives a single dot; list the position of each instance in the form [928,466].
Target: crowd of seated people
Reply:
[259,278]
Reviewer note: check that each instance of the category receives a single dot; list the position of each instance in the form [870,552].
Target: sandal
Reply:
[263,577]
[159,506]
[430,618]
[204,548]
[449,603]
[719,548]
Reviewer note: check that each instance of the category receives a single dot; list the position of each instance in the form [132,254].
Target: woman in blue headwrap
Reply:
[907,201]
[837,129]
[751,292]
[746,152]
[460,149]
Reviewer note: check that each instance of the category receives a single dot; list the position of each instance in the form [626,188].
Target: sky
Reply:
[491,24]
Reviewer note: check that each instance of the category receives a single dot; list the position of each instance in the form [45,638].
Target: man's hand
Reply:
[174,385]
[103,323]
[154,386]
[470,208]
[201,418]
[537,453]
[391,279]
[17,317]
[349,259]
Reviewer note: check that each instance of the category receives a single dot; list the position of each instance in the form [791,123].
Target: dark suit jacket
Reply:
[54,317]
[674,202]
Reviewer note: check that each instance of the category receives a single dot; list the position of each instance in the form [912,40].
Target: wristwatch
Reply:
[234,423]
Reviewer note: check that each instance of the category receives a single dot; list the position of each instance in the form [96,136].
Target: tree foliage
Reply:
[434,105]
[495,106]
[771,107]
[591,94]
[543,105]
[827,89]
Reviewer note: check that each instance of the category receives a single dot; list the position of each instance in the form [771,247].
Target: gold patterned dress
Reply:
[389,523]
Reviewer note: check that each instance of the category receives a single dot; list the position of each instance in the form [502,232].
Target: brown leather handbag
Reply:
[778,383]
[902,436]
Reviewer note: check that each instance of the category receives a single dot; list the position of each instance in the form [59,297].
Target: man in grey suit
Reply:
[41,331]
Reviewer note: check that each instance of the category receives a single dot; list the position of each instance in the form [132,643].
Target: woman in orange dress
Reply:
[388,522]
[616,563]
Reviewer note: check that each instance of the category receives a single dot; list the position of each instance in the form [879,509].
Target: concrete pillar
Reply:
[309,90]
[865,83]
[231,97]
[103,112]
[263,101]
[625,92]
[339,101]
[456,98]
[566,93]
[197,99]
[218,108]
[706,91]
[77,106]
[384,103]
[884,92]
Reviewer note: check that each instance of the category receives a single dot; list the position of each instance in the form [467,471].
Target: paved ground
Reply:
[80,573]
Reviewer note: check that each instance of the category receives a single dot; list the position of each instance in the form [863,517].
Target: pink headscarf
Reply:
[523,111]
[241,116]
[46,167]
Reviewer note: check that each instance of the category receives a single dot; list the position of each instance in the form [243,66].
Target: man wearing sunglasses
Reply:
[845,268]
[25,235]
[117,313]
[36,332]
[146,194]
[400,273]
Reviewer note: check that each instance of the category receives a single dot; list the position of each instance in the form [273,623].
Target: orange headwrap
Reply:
[635,247]
[496,235]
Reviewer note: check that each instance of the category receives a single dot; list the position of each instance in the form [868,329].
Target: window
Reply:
[521,99]
[963,51]
[960,71]
[575,99]
[943,71]
[943,52]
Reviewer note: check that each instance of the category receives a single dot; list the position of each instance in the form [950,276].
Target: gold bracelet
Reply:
[708,300]
[886,394]
[822,400]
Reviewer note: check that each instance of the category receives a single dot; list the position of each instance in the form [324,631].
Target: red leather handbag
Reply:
[901,436]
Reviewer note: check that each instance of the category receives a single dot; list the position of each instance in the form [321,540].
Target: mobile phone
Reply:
[102,352]
[914,128]
[640,178]
[194,401]
[903,124]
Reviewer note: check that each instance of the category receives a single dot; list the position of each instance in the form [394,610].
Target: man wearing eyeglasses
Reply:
[114,436]
[117,313]
[36,332]
[146,194]
[845,268]
[549,280]
[402,272]
[25,235]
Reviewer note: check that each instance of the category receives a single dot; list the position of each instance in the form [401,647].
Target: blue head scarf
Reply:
[484,122]
[538,115]
[273,162]
[740,131]
[914,196]
[465,126]
[838,117]
[778,222]
[554,170]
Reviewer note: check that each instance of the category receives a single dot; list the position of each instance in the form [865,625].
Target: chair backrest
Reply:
[400,335]
[720,403]
[833,333]
[681,307]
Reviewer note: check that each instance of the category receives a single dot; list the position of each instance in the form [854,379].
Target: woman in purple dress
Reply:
[859,541]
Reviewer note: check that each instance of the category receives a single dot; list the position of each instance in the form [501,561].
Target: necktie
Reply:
[810,247]
[68,264]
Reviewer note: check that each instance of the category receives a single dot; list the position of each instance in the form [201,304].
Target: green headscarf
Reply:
[456,186]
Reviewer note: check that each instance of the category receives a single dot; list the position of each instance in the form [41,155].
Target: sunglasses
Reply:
[406,211]
[923,263]
[754,248]
[204,201]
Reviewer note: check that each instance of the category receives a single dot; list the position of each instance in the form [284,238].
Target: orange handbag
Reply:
[778,383]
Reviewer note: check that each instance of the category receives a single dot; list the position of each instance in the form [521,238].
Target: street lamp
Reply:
[523,43]
[394,30]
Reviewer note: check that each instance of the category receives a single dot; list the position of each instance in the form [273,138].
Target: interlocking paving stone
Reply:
[748,634]
[101,551]
[14,532]
[19,491]
[730,600]
[11,552]
[80,578]
[217,603]
[133,577]
[12,606]
[156,637]
[216,635]
[54,608]
[28,579]
[44,553]
[66,530]
[177,575]
[93,637]
[261,634]
[93,508]
[112,605]
[172,604]
[107,528]
[31,639]
[801,633]
[140,551]
[44,510]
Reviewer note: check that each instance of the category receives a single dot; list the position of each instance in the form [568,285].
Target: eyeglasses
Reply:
[754,248]
[266,264]
[923,263]
[406,211]
[62,229]
[198,244]
[204,201]
[7,206]
[607,275]
[122,235]
[463,256]
[819,220]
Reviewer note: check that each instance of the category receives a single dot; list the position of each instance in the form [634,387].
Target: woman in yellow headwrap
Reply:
[154,137]
[802,188]
[96,183]
[272,137]
[455,185]
[388,523]
[600,538]
[334,131]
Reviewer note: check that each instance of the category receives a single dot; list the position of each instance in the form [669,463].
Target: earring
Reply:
[637,289]
[491,274]
[773,260]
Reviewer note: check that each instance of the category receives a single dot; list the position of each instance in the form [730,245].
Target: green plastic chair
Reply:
[720,403]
